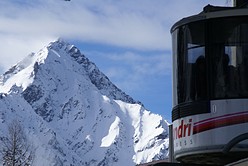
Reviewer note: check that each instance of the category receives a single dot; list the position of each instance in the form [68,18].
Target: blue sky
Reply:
[128,40]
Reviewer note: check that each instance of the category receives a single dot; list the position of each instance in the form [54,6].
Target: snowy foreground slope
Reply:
[73,115]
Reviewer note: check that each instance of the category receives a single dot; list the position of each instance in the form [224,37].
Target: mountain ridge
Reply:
[73,111]
[100,80]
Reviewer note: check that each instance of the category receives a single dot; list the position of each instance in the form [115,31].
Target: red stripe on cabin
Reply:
[222,121]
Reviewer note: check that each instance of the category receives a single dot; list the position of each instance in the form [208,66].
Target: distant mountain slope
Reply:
[74,115]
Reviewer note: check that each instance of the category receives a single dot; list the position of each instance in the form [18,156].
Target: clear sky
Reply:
[129,40]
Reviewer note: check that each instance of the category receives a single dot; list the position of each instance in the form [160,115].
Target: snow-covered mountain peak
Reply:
[67,55]
[72,111]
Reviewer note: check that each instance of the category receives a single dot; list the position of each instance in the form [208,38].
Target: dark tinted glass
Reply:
[217,65]
[189,79]
[228,52]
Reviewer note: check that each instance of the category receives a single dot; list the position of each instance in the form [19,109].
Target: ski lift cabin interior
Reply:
[210,85]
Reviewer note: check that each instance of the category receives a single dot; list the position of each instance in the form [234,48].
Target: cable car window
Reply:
[229,58]
[191,64]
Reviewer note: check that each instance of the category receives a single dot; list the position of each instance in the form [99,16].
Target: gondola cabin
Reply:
[210,85]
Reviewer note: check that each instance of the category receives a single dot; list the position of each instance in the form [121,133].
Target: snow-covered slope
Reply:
[74,115]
